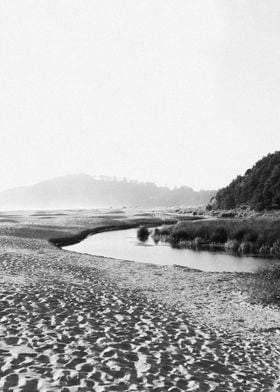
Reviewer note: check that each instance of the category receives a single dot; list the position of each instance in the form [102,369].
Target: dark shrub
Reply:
[156,235]
[261,240]
[238,234]
[271,238]
[174,241]
[143,233]
[202,232]
[250,236]
[219,235]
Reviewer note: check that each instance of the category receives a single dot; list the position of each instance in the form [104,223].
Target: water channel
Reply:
[123,244]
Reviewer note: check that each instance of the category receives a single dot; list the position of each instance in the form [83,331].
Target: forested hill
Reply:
[83,191]
[259,187]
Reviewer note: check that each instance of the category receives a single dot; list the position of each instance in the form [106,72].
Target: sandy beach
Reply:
[73,322]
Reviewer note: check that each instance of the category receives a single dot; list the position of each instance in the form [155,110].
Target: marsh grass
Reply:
[246,236]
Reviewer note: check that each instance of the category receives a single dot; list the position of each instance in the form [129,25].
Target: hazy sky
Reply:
[176,92]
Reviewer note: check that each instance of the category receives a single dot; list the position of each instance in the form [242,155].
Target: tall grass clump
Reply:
[250,236]
[246,247]
[275,249]
[232,246]
[238,235]
[182,232]
[220,235]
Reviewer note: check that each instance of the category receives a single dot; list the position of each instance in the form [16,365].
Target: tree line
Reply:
[258,188]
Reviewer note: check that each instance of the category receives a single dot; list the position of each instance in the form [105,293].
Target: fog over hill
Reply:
[84,191]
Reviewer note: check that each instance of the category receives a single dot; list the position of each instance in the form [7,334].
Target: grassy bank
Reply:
[258,236]
[255,236]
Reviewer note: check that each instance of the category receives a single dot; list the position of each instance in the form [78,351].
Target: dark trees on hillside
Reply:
[259,187]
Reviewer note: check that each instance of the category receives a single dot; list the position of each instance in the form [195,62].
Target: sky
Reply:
[177,92]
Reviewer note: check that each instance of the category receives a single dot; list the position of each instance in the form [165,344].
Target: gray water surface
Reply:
[123,244]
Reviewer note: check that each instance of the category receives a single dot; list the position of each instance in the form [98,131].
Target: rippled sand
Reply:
[72,322]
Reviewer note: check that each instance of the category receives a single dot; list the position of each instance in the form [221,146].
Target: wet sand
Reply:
[71,322]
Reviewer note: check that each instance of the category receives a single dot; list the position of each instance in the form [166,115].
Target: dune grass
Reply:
[263,287]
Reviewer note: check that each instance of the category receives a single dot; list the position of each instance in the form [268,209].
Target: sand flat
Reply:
[71,322]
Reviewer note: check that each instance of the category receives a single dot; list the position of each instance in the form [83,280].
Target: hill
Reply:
[259,187]
[83,191]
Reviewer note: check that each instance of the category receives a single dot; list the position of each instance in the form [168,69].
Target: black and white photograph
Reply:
[139,195]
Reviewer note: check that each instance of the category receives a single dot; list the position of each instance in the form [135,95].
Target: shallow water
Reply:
[123,244]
